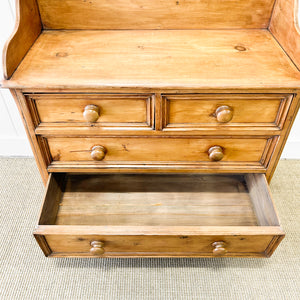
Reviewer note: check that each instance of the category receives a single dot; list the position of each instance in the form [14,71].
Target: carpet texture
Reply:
[26,274]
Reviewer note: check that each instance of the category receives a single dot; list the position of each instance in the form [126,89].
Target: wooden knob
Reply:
[224,114]
[215,153]
[91,113]
[219,248]
[97,248]
[98,152]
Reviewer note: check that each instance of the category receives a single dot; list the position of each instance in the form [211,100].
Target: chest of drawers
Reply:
[156,129]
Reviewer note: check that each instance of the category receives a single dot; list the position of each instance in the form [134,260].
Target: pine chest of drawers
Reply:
[156,128]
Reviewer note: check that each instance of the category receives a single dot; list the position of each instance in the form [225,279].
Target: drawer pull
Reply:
[219,248]
[98,153]
[224,114]
[91,113]
[97,248]
[215,153]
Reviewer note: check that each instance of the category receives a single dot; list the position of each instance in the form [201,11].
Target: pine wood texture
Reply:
[156,59]
[200,110]
[114,110]
[285,28]
[128,105]
[158,149]
[128,14]
[27,29]
[153,209]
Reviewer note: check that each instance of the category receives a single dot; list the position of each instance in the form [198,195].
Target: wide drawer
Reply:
[158,215]
[161,149]
[200,111]
[96,110]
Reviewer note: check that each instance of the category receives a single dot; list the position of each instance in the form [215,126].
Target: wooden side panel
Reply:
[285,28]
[52,199]
[262,200]
[27,29]
[155,14]
[38,144]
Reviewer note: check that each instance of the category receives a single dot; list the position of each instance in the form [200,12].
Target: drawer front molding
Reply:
[243,152]
[116,111]
[233,111]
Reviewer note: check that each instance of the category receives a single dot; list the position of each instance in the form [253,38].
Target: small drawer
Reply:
[218,152]
[207,111]
[158,216]
[104,110]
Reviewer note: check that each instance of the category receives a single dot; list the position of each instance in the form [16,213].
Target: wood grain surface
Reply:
[27,29]
[157,149]
[157,208]
[194,111]
[284,26]
[115,109]
[154,14]
[156,59]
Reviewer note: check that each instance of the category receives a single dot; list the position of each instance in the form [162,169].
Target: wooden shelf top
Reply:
[161,59]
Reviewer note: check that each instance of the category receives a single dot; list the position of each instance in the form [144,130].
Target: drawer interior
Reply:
[158,215]
[158,200]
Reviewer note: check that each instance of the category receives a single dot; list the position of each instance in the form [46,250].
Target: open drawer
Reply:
[166,215]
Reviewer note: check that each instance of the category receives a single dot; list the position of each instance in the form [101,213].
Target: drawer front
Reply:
[192,111]
[210,246]
[107,149]
[93,109]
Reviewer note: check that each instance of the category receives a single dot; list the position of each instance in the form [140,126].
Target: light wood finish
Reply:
[27,29]
[105,110]
[285,28]
[39,147]
[155,200]
[138,14]
[219,248]
[156,59]
[262,201]
[110,93]
[215,153]
[52,198]
[98,153]
[97,248]
[160,246]
[196,111]
[130,203]
[158,149]
[91,113]
[292,113]
[224,114]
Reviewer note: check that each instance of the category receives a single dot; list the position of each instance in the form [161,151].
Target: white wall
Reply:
[13,140]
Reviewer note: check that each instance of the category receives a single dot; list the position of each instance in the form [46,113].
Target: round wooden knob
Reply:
[224,114]
[219,248]
[97,248]
[215,153]
[98,152]
[91,113]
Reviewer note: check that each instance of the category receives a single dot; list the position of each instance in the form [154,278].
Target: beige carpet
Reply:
[26,274]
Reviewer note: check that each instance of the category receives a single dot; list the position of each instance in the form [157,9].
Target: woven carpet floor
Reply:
[26,274]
